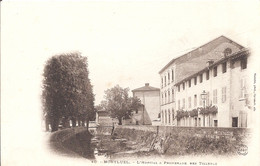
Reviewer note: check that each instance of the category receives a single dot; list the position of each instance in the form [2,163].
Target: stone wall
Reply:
[104,130]
[185,140]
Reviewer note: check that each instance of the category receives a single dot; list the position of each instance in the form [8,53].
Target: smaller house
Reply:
[148,112]
[103,118]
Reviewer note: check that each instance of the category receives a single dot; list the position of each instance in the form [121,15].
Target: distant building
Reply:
[148,113]
[220,69]
[103,118]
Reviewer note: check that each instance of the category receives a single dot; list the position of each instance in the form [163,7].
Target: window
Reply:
[172,115]
[208,99]
[179,88]
[189,102]
[169,96]
[234,121]
[244,63]
[201,78]
[227,51]
[165,113]
[168,78]
[179,104]
[232,64]
[195,80]
[189,83]
[172,75]
[223,94]
[162,82]
[215,71]
[183,103]
[165,100]
[183,86]
[195,100]
[169,116]
[215,96]
[207,75]
[162,117]
[224,67]
[215,123]
[172,94]
[242,88]
[162,98]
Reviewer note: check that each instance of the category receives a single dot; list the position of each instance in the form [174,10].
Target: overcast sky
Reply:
[126,43]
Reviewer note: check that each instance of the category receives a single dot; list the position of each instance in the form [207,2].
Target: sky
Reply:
[127,43]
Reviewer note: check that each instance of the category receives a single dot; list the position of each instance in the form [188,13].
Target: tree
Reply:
[67,91]
[119,104]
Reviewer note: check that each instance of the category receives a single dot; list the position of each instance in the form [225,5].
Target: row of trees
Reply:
[67,91]
[68,94]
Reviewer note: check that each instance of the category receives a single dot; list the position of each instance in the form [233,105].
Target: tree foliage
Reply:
[209,110]
[118,103]
[200,110]
[67,91]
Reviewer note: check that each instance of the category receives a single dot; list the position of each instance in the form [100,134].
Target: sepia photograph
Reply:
[130,83]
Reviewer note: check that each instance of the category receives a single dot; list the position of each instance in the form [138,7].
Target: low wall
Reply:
[213,132]
[104,130]
[73,142]
[186,140]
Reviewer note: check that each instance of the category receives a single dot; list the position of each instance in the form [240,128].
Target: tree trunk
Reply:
[66,122]
[119,121]
[87,123]
[55,124]
[79,122]
[73,122]
[83,122]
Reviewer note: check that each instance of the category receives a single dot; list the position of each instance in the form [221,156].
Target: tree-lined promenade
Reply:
[68,94]
[67,91]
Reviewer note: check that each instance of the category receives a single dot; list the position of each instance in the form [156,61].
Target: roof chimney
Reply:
[210,62]
[146,84]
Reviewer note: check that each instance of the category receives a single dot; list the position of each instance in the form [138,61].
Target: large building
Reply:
[207,86]
[148,113]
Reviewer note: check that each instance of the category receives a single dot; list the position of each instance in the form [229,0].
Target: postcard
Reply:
[130,83]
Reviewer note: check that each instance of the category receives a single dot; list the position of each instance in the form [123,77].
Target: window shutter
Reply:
[207,99]
[243,88]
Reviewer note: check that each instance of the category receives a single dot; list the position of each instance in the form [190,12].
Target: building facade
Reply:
[219,69]
[224,85]
[148,113]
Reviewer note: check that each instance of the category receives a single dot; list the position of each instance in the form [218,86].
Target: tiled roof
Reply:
[197,52]
[147,87]
[232,56]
